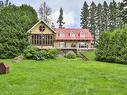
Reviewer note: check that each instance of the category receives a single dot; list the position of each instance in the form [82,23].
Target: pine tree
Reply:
[99,17]
[113,15]
[84,15]
[105,16]
[92,20]
[119,20]
[124,11]
[60,19]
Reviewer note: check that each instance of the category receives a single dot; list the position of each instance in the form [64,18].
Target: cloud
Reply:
[71,8]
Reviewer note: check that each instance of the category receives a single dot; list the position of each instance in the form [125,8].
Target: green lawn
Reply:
[64,77]
[89,54]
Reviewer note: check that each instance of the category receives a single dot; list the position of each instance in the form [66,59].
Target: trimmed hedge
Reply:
[112,46]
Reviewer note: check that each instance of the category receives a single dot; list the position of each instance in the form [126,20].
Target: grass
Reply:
[64,77]
[89,54]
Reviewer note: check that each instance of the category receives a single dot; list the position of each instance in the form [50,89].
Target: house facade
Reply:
[44,37]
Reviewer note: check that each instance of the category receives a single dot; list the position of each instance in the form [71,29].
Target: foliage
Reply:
[46,54]
[84,15]
[60,19]
[70,55]
[30,52]
[52,53]
[123,9]
[112,47]
[101,17]
[40,55]
[15,21]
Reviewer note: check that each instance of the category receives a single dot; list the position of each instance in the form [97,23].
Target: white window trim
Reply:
[72,34]
[82,34]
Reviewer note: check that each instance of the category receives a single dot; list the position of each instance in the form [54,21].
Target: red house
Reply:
[44,37]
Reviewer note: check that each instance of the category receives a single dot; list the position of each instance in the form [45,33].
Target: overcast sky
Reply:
[71,8]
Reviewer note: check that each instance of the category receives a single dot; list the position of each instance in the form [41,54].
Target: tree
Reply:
[113,15]
[60,19]
[84,15]
[14,24]
[92,20]
[124,11]
[112,46]
[99,17]
[45,12]
[105,16]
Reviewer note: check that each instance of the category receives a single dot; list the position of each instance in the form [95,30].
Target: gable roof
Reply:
[40,21]
[76,31]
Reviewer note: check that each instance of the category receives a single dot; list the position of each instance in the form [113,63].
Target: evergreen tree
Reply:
[105,16]
[113,15]
[99,17]
[84,15]
[124,11]
[14,24]
[119,20]
[60,19]
[92,20]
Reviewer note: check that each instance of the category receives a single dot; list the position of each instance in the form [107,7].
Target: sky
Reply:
[71,8]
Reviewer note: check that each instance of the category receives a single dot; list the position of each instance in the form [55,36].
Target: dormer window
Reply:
[62,34]
[42,28]
[82,34]
[72,34]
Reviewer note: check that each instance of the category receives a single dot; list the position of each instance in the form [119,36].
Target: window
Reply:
[82,34]
[46,39]
[62,44]
[83,45]
[72,34]
[42,28]
[62,34]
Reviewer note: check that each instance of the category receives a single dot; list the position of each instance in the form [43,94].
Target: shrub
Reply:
[40,55]
[70,55]
[52,53]
[30,52]
[112,46]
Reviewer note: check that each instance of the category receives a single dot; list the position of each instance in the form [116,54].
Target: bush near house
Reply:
[32,52]
[70,55]
[40,55]
[112,46]
[52,53]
